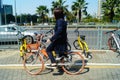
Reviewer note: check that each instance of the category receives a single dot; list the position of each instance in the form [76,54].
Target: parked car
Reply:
[9,33]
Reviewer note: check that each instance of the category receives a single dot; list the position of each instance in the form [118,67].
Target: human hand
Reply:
[48,41]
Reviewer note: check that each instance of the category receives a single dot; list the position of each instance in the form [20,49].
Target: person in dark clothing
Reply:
[59,38]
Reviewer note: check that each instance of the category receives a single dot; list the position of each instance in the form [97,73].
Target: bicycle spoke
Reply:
[33,63]
[76,64]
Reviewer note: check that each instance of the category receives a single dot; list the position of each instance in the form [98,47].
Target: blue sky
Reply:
[29,6]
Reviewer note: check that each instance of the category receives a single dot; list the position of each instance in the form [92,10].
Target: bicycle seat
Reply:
[82,37]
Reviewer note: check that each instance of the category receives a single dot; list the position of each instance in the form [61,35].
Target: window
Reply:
[11,29]
[2,29]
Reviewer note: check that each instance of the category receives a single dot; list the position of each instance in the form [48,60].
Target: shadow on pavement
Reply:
[46,71]
[59,72]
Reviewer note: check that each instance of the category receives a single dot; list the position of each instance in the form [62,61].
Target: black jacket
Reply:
[60,32]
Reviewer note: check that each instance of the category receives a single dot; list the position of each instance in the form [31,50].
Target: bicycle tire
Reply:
[112,45]
[33,63]
[76,62]
[68,46]
[29,39]
[76,45]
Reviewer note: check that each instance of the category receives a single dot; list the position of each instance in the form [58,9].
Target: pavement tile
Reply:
[12,57]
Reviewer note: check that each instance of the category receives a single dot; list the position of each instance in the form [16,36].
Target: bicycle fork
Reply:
[83,45]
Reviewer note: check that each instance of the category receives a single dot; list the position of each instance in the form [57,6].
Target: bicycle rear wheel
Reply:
[112,45]
[33,63]
[74,63]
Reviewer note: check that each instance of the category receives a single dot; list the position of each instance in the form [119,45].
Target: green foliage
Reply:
[111,8]
[9,18]
[42,12]
[61,4]
[79,7]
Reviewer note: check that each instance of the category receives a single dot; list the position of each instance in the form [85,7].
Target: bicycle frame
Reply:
[116,40]
[23,47]
[82,44]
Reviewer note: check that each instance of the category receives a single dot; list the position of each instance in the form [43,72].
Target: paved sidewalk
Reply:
[110,71]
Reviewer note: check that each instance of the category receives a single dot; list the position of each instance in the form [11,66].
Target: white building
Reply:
[0,12]
[99,13]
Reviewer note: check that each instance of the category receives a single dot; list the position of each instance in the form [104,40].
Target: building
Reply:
[99,13]
[7,9]
[0,12]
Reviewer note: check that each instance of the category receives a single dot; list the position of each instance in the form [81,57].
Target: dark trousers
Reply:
[58,48]
[49,50]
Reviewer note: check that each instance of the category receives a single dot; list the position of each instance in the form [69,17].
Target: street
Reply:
[103,66]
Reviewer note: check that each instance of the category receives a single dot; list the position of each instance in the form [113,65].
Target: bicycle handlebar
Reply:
[111,31]
[18,32]
[76,31]
[20,35]
[46,35]
[50,31]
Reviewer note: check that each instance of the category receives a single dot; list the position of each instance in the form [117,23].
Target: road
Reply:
[103,66]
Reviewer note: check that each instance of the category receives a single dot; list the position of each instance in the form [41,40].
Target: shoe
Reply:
[86,58]
[53,64]
[60,70]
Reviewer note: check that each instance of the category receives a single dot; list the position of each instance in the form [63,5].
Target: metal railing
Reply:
[94,35]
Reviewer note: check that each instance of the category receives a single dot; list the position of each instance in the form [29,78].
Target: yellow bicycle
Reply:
[80,44]
[23,41]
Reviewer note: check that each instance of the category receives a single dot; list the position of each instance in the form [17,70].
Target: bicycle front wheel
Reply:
[68,46]
[76,45]
[33,63]
[74,63]
[112,45]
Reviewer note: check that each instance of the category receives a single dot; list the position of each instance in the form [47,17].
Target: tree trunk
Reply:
[111,15]
[80,15]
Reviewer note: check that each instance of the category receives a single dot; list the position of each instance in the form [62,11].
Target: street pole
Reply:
[5,14]
[1,6]
[15,12]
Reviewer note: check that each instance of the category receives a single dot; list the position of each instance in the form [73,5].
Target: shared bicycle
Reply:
[114,40]
[35,61]
[80,44]
[23,41]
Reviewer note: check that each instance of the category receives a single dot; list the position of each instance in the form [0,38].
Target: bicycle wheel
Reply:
[33,63]
[74,63]
[112,45]
[68,46]
[29,39]
[76,45]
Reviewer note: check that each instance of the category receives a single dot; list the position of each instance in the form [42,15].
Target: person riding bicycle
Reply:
[59,38]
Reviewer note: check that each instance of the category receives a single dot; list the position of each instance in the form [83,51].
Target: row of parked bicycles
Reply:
[35,58]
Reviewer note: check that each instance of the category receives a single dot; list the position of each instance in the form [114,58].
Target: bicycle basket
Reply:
[82,37]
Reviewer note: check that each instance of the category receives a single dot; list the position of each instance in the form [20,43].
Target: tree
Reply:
[9,18]
[60,3]
[111,8]
[34,18]
[78,7]
[90,19]
[42,12]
